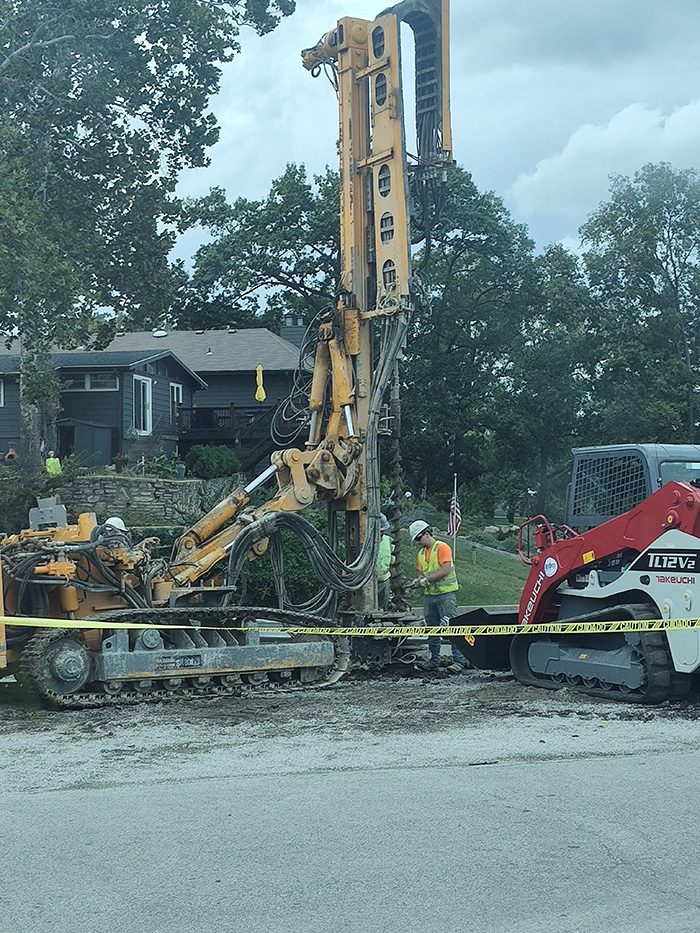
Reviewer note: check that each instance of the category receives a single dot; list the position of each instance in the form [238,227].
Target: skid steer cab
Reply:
[622,574]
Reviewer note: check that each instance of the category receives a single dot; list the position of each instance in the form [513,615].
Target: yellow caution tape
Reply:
[399,631]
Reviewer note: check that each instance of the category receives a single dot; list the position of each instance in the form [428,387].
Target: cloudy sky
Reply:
[548,98]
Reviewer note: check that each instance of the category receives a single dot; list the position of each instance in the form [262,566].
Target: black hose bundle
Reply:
[335,575]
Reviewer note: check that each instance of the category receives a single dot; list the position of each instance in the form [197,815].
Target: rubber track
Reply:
[663,681]
[35,648]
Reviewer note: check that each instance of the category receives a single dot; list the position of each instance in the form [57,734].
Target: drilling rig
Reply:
[198,640]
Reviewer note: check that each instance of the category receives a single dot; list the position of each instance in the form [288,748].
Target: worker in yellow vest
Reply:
[438,578]
[385,561]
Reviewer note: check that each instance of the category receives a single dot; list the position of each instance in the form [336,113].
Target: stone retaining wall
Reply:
[144,501]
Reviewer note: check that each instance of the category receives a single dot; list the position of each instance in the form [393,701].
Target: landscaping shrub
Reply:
[207,462]
[16,499]
[162,466]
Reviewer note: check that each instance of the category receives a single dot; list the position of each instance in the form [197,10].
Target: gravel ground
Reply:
[486,718]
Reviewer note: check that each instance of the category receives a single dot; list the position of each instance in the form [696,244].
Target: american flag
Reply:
[455,520]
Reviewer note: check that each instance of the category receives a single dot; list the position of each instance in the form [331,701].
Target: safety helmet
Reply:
[417,528]
[116,522]
[384,522]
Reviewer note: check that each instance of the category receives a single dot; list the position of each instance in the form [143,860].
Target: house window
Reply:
[93,382]
[143,388]
[98,382]
[175,401]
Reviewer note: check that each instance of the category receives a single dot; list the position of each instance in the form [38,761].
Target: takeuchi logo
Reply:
[550,566]
[533,598]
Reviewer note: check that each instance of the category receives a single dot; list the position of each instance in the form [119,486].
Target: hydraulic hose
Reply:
[336,575]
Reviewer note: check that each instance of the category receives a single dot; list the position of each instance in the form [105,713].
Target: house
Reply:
[164,390]
[227,411]
[111,400]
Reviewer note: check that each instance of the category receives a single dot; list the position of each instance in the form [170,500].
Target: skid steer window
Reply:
[683,471]
[607,486]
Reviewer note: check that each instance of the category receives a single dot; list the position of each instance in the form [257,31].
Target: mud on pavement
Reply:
[361,724]
[381,704]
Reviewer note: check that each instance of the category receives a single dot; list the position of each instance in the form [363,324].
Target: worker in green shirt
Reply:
[385,559]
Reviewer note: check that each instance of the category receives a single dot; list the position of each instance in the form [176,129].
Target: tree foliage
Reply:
[102,107]
[267,258]
[482,287]
[643,267]
[541,403]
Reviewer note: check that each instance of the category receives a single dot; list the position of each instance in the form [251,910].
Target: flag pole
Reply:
[454,526]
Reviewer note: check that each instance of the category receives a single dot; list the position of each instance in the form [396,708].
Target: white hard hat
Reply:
[417,528]
[384,522]
[116,522]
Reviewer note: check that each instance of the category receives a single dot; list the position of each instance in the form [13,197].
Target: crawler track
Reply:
[61,669]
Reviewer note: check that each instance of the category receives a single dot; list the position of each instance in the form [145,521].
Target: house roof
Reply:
[101,359]
[216,351]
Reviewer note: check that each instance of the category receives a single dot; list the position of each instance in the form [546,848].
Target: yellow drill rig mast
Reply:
[88,571]
[364,61]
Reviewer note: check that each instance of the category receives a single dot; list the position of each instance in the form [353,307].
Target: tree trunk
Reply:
[31,461]
[543,490]
[37,406]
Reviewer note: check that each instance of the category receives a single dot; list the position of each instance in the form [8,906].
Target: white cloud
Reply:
[548,98]
[572,244]
[575,180]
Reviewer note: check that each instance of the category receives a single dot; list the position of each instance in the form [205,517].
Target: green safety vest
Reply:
[385,558]
[448,584]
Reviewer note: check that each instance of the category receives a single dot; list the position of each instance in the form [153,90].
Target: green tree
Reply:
[483,285]
[643,266]
[101,107]
[268,258]
[541,405]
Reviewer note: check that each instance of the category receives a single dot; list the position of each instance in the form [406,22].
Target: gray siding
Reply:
[225,388]
[161,405]
[9,414]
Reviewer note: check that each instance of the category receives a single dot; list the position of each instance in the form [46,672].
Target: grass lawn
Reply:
[488,579]
[485,578]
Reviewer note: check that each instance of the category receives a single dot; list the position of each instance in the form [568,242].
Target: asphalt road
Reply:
[470,805]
